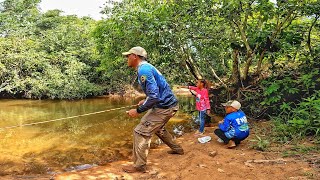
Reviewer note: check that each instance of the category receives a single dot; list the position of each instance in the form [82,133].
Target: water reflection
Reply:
[95,139]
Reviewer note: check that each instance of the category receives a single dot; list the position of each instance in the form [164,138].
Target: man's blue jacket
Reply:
[156,88]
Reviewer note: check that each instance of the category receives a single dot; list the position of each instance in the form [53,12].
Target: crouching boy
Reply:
[234,127]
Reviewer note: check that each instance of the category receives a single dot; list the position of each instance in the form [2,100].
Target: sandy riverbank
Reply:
[240,163]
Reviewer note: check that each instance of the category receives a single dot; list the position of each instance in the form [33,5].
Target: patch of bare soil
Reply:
[199,162]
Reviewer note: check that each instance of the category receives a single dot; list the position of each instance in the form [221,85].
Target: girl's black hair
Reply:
[205,83]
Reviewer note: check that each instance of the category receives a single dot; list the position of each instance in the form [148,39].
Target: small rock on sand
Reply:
[212,153]
[220,170]
[202,165]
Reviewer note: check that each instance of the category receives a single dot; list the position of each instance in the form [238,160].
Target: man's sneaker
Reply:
[181,152]
[132,169]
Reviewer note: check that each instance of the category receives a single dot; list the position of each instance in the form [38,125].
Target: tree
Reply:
[260,24]
[178,34]
[46,55]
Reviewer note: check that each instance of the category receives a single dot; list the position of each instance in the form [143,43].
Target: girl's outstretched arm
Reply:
[185,87]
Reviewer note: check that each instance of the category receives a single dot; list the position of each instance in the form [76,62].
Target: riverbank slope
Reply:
[239,163]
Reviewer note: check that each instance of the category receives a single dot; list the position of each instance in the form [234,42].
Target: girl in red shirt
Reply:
[202,101]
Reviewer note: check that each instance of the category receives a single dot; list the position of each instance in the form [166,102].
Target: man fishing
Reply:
[160,104]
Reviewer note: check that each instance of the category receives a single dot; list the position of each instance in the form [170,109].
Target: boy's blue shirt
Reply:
[156,88]
[237,121]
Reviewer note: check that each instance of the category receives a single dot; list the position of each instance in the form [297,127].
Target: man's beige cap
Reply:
[232,103]
[137,51]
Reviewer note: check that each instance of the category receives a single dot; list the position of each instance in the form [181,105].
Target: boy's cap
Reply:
[233,103]
[137,51]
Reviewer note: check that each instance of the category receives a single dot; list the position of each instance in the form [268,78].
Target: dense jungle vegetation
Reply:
[261,52]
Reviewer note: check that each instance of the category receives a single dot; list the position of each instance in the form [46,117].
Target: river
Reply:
[61,145]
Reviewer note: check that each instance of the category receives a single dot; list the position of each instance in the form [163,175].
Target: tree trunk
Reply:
[248,64]
[309,34]
[235,68]
[248,49]
[191,65]
[260,61]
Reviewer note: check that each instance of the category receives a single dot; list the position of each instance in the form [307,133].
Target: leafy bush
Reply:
[290,88]
[293,101]
[52,57]
[259,144]
[300,120]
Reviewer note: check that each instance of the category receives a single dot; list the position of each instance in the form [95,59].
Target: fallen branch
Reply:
[217,77]
[274,161]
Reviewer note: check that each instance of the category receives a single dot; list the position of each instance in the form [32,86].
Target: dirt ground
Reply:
[239,163]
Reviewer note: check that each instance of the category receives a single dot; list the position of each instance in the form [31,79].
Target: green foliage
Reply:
[292,100]
[291,87]
[172,33]
[31,75]
[296,122]
[46,55]
[196,37]
[260,144]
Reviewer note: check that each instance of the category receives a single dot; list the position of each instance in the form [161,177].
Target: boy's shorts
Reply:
[232,134]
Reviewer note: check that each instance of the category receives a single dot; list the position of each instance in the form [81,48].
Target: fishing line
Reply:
[60,119]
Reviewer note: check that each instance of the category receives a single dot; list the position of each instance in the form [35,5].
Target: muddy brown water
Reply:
[61,145]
